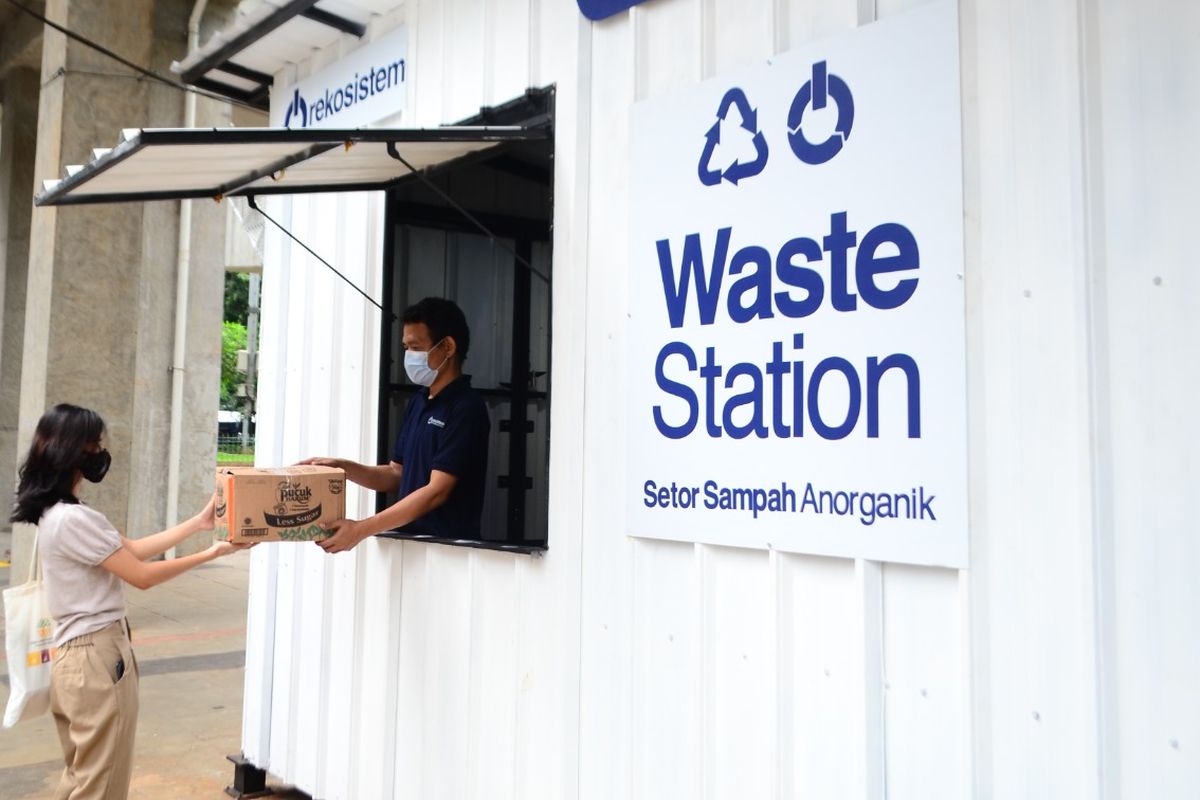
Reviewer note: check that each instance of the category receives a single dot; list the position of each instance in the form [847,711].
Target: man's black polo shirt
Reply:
[448,433]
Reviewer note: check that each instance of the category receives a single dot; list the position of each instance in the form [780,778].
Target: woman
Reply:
[94,679]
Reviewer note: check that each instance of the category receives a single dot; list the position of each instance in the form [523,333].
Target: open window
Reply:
[501,280]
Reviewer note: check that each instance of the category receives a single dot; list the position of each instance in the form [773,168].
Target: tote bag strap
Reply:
[35,563]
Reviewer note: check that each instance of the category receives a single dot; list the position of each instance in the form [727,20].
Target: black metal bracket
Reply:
[248,780]
[246,38]
[338,23]
[534,549]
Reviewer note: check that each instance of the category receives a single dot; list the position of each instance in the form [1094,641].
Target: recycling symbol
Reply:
[819,90]
[737,170]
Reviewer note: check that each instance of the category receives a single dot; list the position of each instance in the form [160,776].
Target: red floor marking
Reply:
[187,637]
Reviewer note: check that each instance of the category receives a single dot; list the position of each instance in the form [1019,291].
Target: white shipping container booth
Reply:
[841,361]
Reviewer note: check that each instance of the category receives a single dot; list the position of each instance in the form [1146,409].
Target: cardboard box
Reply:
[287,504]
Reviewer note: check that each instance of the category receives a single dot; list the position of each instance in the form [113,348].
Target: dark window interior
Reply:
[433,248]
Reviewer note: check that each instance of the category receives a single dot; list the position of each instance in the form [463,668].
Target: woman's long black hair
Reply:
[49,472]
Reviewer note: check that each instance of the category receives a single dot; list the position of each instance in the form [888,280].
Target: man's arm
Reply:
[348,533]
[379,478]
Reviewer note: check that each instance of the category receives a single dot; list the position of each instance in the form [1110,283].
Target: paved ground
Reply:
[189,635]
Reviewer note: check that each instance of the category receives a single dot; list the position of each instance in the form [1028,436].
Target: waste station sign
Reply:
[796,371]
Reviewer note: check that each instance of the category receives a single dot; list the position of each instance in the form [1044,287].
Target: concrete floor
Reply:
[189,636]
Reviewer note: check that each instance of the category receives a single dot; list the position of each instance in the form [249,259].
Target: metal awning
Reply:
[176,163]
[241,60]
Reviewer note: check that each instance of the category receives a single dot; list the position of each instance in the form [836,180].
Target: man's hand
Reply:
[346,534]
[323,461]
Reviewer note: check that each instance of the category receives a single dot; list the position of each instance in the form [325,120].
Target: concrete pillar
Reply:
[18,144]
[101,285]
[202,378]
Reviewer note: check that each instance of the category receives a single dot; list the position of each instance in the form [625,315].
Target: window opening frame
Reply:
[535,108]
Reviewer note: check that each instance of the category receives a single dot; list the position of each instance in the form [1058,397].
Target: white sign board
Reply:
[366,85]
[796,365]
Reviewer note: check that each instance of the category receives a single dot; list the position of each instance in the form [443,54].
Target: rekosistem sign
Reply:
[796,347]
[367,85]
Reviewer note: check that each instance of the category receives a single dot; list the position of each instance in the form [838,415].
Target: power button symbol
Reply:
[822,88]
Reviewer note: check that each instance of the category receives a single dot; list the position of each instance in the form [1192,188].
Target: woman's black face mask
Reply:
[95,465]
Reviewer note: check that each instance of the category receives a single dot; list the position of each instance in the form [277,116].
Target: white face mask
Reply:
[416,365]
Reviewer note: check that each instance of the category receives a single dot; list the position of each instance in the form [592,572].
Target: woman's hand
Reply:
[221,548]
[207,519]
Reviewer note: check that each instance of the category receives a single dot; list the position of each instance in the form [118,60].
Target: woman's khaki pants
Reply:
[96,713]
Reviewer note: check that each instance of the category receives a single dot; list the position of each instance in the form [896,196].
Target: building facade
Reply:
[89,298]
[1050,655]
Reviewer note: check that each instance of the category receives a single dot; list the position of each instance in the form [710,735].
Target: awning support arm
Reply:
[250,200]
[394,153]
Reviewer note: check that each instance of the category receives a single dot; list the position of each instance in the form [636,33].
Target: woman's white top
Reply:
[83,596]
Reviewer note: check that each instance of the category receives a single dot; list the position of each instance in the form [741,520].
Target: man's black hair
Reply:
[443,318]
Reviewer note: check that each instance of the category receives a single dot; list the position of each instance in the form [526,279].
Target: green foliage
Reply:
[237,296]
[233,338]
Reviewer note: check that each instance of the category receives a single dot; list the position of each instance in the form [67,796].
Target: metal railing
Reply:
[230,450]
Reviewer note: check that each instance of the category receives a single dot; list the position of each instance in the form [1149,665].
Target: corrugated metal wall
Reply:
[1062,664]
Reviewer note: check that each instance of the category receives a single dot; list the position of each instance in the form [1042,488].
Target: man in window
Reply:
[440,456]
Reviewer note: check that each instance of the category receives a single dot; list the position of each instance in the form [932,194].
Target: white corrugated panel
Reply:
[1061,664]
[1030,324]
[320,343]
[1143,59]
